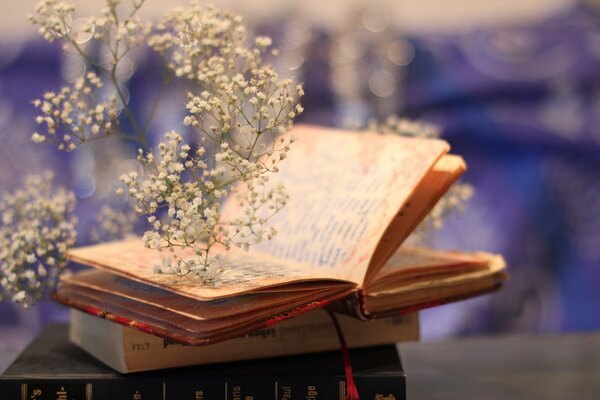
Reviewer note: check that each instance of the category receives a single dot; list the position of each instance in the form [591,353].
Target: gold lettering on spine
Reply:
[236,393]
[311,392]
[62,394]
[286,393]
[35,394]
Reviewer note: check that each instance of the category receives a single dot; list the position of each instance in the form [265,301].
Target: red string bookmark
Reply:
[351,390]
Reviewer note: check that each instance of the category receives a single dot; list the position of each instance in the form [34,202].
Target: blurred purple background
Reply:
[520,102]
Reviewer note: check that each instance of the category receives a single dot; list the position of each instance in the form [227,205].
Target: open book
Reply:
[354,199]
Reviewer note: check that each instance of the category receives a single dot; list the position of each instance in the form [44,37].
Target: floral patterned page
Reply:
[345,188]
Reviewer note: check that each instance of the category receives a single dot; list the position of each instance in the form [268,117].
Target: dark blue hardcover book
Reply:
[51,368]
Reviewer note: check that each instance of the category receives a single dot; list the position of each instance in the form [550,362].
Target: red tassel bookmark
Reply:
[351,390]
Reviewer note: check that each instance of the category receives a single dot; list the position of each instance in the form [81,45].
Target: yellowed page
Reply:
[105,282]
[243,272]
[445,172]
[458,286]
[413,264]
[345,188]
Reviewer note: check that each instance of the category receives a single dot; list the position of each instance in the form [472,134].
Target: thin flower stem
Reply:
[165,83]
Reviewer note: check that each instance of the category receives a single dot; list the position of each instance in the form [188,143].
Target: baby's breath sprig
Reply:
[242,109]
[37,228]
[113,224]
[53,18]
[191,192]
[238,108]
[458,194]
[118,27]
[241,99]
[406,127]
[76,115]
[454,200]
[116,32]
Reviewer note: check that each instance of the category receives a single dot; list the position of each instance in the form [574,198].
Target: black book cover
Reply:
[52,368]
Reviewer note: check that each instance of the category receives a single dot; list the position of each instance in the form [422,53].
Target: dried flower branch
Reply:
[75,115]
[191,192]
[243,109]
[54,19]
[78,114]
[239,109]
[113,224]
[406,127]
[37,229]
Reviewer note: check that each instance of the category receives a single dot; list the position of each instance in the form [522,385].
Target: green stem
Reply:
[156,102]
[134,124]
[227,183]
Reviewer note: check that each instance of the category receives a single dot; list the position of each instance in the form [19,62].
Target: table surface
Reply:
[504,367]
[495,367]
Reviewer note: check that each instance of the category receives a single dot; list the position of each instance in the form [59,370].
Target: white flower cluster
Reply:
[113,224]
[406,127]
[54,19]
[243,108]
[195,37]
[120,31]
[36,231]
[240,110]
[75,115]
[182,183]
[241,98]
[454,200]
[458,194]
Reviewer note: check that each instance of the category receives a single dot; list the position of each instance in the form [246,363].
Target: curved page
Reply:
[345,189]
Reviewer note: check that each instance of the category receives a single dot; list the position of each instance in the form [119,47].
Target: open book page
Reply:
[345,188]
[440,288]
[243,272]
[413,264]
[444,173]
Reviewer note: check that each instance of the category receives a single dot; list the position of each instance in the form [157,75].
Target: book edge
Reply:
[112,343]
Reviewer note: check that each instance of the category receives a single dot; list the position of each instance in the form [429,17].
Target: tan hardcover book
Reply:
[354,199]
[129,350]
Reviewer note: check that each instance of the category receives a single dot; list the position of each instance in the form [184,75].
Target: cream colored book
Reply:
[129,350]
[354,199]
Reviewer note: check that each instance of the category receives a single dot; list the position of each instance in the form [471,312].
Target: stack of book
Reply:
[52,368]
[354,199]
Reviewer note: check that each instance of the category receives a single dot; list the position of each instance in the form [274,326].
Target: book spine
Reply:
[332,387]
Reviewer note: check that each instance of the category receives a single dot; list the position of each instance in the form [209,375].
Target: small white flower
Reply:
[243,106]
[19,297]
[37,230]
